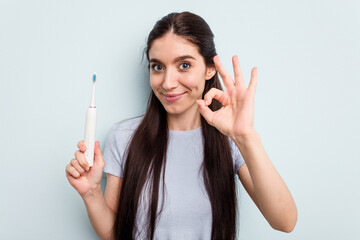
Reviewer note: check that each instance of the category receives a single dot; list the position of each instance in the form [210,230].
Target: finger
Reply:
[239,79]
[98,157]
[81,145]
[70,170]
[205,111]
[225,76]
[219,95]
[82,160]
[253,80]
[77,166]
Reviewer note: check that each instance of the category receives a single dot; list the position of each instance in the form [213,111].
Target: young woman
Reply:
[170,172]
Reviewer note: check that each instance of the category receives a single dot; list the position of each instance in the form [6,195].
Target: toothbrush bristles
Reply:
[94,77]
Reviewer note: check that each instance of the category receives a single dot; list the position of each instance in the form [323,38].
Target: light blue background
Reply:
[306,107]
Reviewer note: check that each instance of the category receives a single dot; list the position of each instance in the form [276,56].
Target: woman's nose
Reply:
[170,81]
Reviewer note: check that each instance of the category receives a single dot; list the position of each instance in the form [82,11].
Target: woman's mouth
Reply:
[173,97]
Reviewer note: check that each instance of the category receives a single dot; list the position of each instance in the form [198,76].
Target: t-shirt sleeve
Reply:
[112,154]
[237,157]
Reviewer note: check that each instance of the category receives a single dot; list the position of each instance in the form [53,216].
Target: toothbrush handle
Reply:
[90,128]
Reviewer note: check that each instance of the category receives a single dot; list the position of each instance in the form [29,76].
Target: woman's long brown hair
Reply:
[146,156]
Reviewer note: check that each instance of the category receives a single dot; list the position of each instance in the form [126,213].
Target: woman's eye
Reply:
[184,65]
[156,67]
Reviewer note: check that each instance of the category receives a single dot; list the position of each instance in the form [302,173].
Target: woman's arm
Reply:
[102,209]
[102,218]
[236,120]
[264,184]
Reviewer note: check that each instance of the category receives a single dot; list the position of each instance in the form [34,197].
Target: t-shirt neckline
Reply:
[176,132]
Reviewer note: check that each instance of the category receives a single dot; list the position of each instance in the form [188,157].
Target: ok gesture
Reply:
[236,117]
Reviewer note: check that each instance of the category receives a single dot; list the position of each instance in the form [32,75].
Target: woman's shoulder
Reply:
[116,144]
[121,131]
[129,124]
[236,155]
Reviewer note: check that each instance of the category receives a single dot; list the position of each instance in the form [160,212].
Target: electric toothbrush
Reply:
[90,127]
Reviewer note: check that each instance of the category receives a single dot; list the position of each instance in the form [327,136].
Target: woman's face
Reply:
[177,73]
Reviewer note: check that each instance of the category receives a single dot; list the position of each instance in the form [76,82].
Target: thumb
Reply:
[98,158]
[205,111]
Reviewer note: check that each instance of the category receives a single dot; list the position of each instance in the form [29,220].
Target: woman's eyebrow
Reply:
[180,58]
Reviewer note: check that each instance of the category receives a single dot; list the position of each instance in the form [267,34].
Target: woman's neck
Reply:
[184,122]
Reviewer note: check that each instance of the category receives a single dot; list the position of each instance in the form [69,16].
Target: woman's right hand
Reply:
[82,177]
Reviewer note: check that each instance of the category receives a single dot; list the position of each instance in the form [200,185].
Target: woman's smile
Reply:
[173,97]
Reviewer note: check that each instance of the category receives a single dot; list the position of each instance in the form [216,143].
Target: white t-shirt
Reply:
[186,212]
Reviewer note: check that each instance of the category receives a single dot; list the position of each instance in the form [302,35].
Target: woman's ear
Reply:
[210,72]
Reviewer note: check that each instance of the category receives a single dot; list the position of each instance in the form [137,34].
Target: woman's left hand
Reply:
[236,117]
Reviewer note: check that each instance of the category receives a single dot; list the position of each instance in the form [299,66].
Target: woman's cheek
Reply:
[155,81]
[193,82]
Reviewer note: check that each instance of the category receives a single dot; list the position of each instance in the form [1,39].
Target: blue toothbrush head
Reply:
[94,77]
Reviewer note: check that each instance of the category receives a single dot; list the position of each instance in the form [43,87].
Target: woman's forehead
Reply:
[172,46]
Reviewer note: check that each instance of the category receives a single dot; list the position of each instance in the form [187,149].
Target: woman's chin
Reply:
[173,111]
